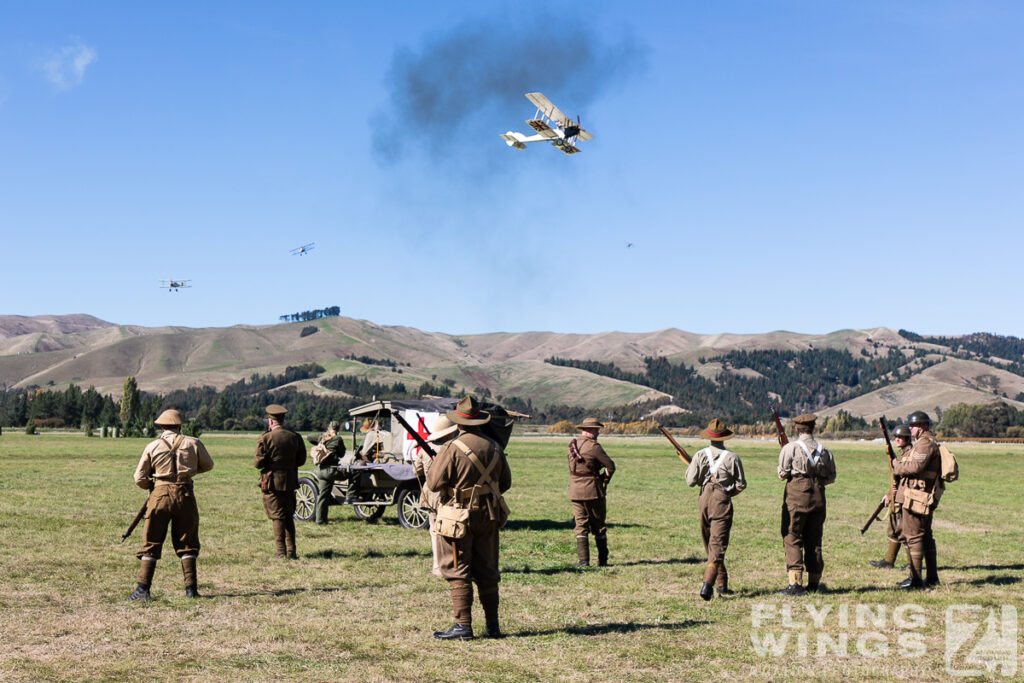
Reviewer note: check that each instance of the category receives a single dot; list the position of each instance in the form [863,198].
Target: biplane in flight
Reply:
[175,285]
[551,126]
[304,249]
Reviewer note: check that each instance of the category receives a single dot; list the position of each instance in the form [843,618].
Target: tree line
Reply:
[314,314]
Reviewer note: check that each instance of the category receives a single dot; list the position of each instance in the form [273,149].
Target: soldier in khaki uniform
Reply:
[901,435]
[719,473]
[807,467]
[588,487]
[167,466]
[327,453]
[280,452]
[442,430]
[471,470]
[919,492]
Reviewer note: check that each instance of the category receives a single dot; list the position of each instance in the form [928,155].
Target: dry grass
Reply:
[358,605]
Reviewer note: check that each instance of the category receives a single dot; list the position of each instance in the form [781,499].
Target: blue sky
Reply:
[805,166]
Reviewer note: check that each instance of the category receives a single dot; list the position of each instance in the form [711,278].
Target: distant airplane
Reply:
[304,249]
[175,285]
[564,135]
[629,245]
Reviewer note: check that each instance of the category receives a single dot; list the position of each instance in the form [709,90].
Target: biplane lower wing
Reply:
[542,128]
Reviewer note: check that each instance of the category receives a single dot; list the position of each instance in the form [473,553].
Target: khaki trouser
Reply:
[279,504]
[895,527]
[916,532]
[174,505]
[590,516]
[475,555]
[715,521]
[326,476]
[803,523]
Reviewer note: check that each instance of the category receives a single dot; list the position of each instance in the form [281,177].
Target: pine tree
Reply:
[129,403]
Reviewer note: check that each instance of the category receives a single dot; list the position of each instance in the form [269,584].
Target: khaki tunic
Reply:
[584,477]
[475,556]
[803,503]
[280,452]
[919,471]
[172,502]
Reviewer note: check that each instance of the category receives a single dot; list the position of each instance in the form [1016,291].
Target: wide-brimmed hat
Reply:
[590,423]
[441,427]
[468,413]
[807,419]
[717,431]
[275,410]
[169,417]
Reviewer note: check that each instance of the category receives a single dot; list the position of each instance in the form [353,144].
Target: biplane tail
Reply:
[513,139]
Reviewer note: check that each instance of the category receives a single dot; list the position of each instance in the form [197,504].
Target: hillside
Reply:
[58,350]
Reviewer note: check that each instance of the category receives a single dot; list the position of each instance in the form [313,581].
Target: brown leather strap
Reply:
[174,455]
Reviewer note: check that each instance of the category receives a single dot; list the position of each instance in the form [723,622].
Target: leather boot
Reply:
[289,538]
[796,577]
[814,583]
[582,551]
[602,550]
[931,563]
[147,567]
[456,632]
[705,591]
[462,605]
[722,584]
[914,581]
[890,557]
[489,601]
[188,570]
[279,538]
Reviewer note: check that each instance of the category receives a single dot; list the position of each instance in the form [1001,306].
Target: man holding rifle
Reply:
[588,487]
[901,435]
[807,467]
[918,495]
[719,473]
[167,466]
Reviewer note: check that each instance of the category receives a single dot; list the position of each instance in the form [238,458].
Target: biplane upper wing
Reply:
[549,110]
[584,135]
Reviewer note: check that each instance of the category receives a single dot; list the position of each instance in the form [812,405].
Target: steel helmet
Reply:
[902,431]
[918,417]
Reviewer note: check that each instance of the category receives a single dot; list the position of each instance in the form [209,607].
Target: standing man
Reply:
[901,435]
[719,473]
[919,492]
[327,453]
[166,468]
[807,467]
[442,430]
[588,487]
[280,452]
[471,473]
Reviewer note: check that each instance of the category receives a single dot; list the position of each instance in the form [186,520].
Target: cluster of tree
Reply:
[982,346]
[996,420]
[369,360]
[752,383]
[315,314]
[308,330]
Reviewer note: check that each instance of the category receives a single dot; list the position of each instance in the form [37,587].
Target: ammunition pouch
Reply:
[452,519]
[918,501]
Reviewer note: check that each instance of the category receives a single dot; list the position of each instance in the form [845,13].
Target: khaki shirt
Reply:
[583,476]
[192,459]
[793,461]
[452,469]
[729,470]
[280,452]
[921,466]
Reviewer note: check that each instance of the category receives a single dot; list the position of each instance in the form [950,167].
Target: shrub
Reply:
[192,428]
[308,330]
[30,428]
[562,427]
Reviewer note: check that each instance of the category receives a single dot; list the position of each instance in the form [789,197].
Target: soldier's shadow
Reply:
[989,567]
[553,524]
[330,553]
[571,568]
[613,627]
[763,592]
[273,594]
[992,580]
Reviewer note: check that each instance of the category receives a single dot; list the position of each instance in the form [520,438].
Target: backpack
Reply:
[950,469]
[319,453]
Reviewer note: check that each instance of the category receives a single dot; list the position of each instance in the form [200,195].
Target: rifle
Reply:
[892,481]
[783,439]
[135,522]
[874,515]
[679,449]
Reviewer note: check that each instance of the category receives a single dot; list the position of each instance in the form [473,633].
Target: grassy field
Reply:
[358,605]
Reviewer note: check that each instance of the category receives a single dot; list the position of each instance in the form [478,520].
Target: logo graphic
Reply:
[978,643]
